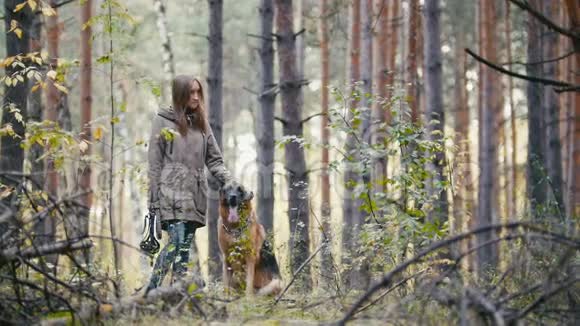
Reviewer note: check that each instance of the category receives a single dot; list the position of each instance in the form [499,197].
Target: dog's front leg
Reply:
[226,276]
[250,273]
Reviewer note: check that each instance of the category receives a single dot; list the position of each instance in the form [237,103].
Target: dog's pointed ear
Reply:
[248,195]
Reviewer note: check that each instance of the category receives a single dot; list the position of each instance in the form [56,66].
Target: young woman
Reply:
[181,145]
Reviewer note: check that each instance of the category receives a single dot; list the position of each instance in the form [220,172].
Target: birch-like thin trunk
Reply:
[86,107]
[166,50]
[348,204]
[326,259]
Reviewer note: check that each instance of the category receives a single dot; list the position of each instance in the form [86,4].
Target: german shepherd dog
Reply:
[243,245]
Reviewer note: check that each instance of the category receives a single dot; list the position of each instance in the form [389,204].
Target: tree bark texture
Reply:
[215,87]
[295,163]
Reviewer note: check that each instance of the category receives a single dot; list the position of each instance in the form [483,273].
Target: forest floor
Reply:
[293,309]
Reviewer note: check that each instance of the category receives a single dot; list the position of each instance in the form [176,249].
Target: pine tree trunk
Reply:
[394,23]
[295,163]
[166,50]
[361,279]
[326,259]
[265,130]
[411,61]
[434,103]
[537,186]
[348,204]
[215,86]
[86,107]
[551,110]
[511,192]
[574,175]
[487,257]
[381,48]
[43,230]
[11,154]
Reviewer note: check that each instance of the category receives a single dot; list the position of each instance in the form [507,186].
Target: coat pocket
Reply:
[200,196]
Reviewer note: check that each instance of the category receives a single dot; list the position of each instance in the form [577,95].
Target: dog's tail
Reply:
[274,287]
[268,260]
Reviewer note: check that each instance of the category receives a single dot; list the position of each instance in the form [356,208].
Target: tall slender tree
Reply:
[215,86]
[574,176]
[11,154]
[265,134]
[86,110]
[551,109]
[393,41]
[537,185]
[350,177]
[361,275]
[486,256]
[42,229]
[411,62]
[166,50]
[434,103]
[326,263]
[381,49]
[511,192]
[295,163]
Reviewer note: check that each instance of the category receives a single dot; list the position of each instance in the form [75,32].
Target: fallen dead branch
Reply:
[480,300]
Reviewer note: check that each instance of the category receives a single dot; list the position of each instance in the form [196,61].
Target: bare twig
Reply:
[386,280]
[391,289]
[546,21]
[11,254]
[304,264]
[487,305]
[312,116]
[543,298]
[564,85]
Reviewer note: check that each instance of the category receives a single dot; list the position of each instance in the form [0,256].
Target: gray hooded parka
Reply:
[177,183]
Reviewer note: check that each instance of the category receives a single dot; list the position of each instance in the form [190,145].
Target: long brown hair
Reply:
[180,91]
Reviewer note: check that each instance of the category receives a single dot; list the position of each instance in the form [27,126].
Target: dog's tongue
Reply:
[233,217]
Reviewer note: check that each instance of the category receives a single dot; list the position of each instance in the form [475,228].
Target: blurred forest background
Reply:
[413,160]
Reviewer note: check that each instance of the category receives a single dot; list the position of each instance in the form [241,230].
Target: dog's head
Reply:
[235,200]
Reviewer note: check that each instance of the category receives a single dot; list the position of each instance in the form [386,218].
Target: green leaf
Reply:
[104,59]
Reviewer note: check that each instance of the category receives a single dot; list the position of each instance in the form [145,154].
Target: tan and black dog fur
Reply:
[243,245]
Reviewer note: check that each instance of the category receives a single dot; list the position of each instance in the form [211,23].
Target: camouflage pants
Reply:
[175,253]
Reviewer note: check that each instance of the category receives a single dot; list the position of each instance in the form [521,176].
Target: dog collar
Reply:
[233,231]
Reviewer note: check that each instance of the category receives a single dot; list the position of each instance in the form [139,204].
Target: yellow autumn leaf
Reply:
[48,11]
[32,4]
[19,7]
[18,32]
[51,74]
[83,146]
[18,117]
[61,88]
[13,25]
[98,134]
[6,192]
[105,308]
[35,87]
